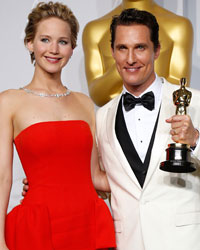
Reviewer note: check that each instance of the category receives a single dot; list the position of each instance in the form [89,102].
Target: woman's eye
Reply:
[63,42]
[45,40]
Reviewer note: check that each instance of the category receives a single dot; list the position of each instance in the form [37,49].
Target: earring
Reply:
[32,56]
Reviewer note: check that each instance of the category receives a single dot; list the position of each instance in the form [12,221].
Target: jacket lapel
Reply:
[114,143]
[162,137]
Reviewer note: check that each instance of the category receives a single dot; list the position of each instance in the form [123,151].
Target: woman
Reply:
[54,133]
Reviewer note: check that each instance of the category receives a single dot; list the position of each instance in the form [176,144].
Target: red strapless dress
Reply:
[61,210]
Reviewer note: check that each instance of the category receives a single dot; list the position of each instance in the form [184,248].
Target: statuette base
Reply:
[178,159]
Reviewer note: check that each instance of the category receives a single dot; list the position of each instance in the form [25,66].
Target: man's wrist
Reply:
[193,146]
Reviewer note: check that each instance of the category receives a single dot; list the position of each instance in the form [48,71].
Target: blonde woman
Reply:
[53,130]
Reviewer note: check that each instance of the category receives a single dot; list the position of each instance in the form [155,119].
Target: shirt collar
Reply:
[155,87]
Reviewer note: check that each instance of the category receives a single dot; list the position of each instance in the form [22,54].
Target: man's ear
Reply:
[157,52]
[112,52]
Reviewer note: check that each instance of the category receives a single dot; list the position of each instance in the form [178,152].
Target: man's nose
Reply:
[131,57]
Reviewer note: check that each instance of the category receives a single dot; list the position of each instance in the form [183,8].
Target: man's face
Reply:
[134,55]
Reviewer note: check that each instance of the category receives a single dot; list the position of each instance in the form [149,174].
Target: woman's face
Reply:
[51,46]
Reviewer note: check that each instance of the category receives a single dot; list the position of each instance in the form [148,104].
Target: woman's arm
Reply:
[99,177]
[6,158]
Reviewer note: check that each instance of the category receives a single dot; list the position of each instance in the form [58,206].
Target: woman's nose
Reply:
[54,48]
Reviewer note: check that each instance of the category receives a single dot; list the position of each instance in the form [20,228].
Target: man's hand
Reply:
[182,130]
[25,187]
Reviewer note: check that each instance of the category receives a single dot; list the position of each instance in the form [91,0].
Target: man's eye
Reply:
[140,47]
[122,47]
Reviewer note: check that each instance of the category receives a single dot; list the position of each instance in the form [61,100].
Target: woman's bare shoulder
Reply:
[10,97]
[8,93]
[83,98]
[86,108]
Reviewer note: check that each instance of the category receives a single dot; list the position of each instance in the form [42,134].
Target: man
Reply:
[176,35]
[152,209]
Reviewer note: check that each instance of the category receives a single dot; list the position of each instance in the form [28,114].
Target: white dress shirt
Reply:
[140,121]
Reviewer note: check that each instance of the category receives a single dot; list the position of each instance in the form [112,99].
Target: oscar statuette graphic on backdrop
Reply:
[178,155]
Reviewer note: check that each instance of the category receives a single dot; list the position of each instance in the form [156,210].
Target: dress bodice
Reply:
[56,158]
[50,150]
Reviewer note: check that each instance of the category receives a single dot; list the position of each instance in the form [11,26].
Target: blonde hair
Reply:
[46,10]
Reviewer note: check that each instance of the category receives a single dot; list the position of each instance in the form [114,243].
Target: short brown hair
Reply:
[134,16]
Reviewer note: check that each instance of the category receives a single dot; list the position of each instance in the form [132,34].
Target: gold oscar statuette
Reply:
[178,155]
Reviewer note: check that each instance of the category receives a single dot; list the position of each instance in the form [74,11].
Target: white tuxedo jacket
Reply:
[165,213]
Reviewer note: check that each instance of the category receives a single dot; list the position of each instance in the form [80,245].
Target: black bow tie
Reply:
[147,100]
